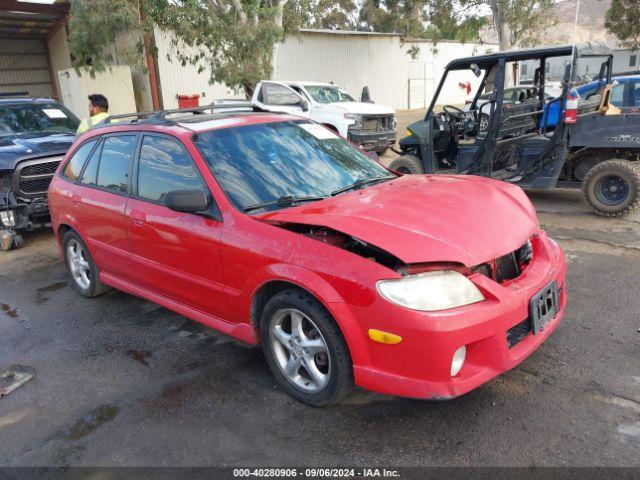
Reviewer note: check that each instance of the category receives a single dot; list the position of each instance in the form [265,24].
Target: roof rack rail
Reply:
[160,116]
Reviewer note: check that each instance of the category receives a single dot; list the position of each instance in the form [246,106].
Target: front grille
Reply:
[377,123]
[32,177]
[518,332]
[507,268]
[41,168]
[35,186]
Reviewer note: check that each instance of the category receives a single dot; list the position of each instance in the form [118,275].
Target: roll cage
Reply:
[522,143]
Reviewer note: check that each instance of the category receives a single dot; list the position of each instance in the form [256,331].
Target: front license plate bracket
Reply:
[543,306]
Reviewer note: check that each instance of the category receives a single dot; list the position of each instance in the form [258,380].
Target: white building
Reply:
[352,60]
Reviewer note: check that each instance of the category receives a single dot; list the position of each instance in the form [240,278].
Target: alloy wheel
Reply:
[300,350]
[78,264]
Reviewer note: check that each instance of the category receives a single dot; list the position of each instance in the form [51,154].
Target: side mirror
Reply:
[475,69]
[304,105]
[187,201]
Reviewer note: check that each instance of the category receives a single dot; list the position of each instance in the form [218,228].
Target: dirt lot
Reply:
[121,381]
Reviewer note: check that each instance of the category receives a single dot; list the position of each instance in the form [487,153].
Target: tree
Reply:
[106,32]
[516,22]
[236,40]
[623,20]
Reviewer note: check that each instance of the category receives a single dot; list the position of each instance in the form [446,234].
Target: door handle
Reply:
[138,217]
[76,199]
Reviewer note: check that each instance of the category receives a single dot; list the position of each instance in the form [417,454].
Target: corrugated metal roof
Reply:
[31,18]
[347,32]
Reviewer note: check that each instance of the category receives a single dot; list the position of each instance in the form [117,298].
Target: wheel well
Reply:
[265,292]
[330,127]
[62,230]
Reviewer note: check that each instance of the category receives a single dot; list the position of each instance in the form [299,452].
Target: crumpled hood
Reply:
[16,148]
[428,218]
[362,107]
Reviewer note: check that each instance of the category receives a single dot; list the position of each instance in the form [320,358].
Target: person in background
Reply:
[98,108]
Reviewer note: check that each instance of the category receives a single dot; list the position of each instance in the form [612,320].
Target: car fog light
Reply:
[458,360]
[7,218]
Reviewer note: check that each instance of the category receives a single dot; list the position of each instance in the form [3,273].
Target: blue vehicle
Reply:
[625,94]
[35,133]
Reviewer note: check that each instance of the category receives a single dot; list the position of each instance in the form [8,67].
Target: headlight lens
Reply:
[431,291]
[357,117]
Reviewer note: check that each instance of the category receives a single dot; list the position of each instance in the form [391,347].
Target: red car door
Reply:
[99,198]
[174,254]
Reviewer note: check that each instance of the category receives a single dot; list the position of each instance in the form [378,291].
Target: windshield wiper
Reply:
[361,182]
[283,201]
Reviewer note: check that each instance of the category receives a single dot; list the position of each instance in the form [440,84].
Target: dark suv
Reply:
[35,133]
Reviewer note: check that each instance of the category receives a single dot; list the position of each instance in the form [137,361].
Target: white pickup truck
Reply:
[372,127]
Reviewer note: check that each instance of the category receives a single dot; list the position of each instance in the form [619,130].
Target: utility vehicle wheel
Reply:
[83,270]
[612,188]
[305,349]
[484,123]
[407,164]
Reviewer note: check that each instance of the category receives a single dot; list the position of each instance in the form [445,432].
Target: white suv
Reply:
[373,127]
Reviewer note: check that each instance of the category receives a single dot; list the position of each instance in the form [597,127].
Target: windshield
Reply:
[328,94]
[39,118]
[257,164]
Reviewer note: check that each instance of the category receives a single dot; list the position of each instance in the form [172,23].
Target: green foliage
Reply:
[528,20]
[324,14]
[233,41]
[104,33]
[623,21]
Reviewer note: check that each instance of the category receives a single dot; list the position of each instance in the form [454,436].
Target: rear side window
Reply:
[115,162]
[74,165]
[90,172]
[164,166]
[617,95]
[274,94]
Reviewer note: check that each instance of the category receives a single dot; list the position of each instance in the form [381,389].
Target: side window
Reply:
[164,166]
[74,165]
[274,94]
[90,172]
[115,162]
[635,94]
[617,95]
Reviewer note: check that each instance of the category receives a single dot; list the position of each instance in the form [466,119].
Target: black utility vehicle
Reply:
[35,133]
[540,142]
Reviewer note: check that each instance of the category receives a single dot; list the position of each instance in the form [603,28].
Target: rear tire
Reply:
[83,270]
[407,164]
[305,349]
[612,188]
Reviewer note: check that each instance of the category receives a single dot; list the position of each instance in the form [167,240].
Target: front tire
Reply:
[612,188]
[83,270]
[305,349]
[407,164]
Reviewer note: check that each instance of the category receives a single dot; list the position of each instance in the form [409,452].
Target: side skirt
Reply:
[242,331]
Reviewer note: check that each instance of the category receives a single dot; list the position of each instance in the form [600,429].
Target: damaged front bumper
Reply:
[497,334]
[373,142]
[19,214]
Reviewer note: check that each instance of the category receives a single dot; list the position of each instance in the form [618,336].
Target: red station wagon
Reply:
[274,230]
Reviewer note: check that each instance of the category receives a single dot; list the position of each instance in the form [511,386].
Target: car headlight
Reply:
[356,117]
[431,291]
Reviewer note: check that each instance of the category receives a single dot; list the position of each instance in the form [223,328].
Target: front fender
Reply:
[322,290]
